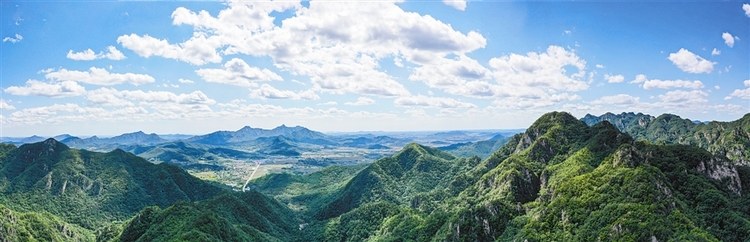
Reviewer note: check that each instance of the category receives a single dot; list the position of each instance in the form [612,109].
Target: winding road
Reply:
[257,166]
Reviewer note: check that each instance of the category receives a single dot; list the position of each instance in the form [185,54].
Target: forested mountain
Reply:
[247,133]
[249,216]
[560,180]
[730,139]
[91,189]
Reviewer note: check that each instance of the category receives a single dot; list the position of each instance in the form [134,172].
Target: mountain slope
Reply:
[248,216]
[33,226]
[415,169]
[90,188]
[730,139]
[562,180]
[245,134]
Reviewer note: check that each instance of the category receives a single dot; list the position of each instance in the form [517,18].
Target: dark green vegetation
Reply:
[730,139]
[561,180]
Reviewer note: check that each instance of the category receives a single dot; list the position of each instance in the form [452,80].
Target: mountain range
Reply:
[634,178]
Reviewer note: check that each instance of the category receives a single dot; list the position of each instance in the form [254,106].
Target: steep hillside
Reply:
[33,226]
[306,193]
[89,188]
[248,216]
[730,139]
[561,180]
[415,169]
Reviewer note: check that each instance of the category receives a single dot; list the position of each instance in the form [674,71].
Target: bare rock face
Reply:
[719,168]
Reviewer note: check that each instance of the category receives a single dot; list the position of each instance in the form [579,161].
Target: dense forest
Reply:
[627,177]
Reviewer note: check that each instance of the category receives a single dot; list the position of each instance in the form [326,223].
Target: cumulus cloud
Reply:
[600,66]
[361,101]
[99,76]
[546,70]
[5,106]
[198,50]
[433,102]
[268,92]
[619,99]
[338,45]
[150,97]
[457,4]
[88,54]
[729,39]
[691,63]
[237,72]
[107,97]
[448,74]
[185,81]
[715,52]
[54,90]
[740,93]
[614,78]
[746,7]
[17,39]
[329,103]
[683,98]
[640,78]
[59,113]
[651,84]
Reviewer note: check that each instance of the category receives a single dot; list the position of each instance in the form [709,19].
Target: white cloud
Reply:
[185,81]
[151,97]
[54,90]
[449,74]
[614,79]
[457,4]
[651,84]
[361,101]
[546,70]
[114,54]
[715,52]
[5,106]
[59,113]
[683,98]
[691,63]
[600,66]
[99,76]
[83,55]
[640,78]
[746,7]
[729,39]
[17,39]
[198,50]
[740,93]
[338,45]
[237,72]
[268,92]
[717,87]
[433,102]
[619,99]
[107,97]
[88,54]
[329,103]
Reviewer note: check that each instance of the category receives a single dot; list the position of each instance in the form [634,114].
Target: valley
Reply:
[561,179]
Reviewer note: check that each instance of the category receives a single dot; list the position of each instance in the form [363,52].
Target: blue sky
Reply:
[106,68]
